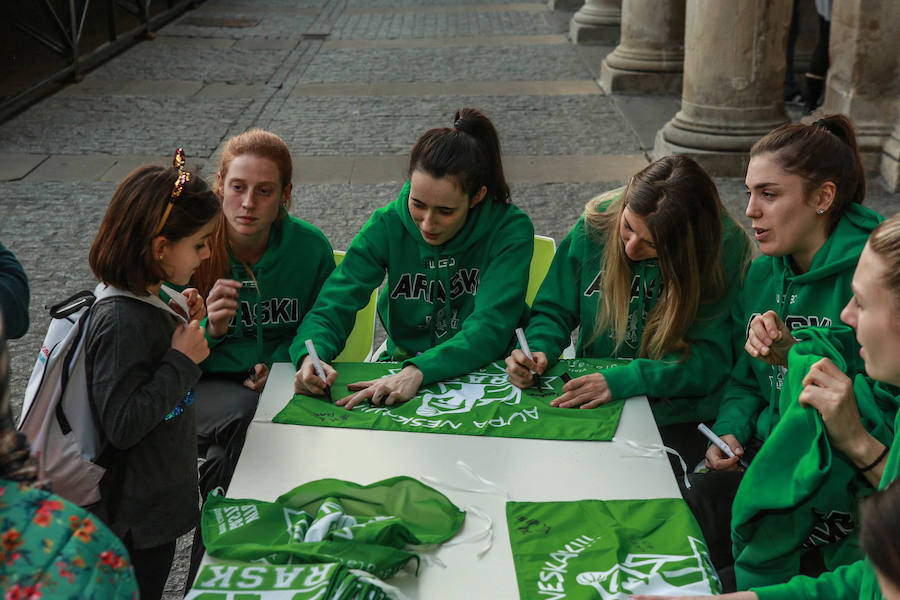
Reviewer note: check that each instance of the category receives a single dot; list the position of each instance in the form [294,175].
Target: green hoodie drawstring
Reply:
[238,317]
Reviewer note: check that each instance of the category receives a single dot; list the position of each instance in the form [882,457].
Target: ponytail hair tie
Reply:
[463,125]
[823,124]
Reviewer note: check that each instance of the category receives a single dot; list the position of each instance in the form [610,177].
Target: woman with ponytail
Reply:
[805,186]
[456,254]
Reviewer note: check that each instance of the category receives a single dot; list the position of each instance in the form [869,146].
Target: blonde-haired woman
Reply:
[649,274]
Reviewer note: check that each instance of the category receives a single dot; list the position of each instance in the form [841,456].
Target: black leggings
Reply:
[151,568]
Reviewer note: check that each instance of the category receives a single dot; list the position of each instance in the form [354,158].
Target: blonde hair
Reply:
[680,205]
[885,243]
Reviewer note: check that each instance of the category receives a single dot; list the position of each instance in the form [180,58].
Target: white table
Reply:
[277,458]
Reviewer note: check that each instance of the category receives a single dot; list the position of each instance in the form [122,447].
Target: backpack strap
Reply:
[104,291]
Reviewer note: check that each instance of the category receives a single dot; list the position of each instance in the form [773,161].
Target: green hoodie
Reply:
[297,261]
[816,298]
[570,296]
[799,493]
[484,267]
[856,580]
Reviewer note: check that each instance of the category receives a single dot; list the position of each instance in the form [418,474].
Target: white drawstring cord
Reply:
[493,488]
[391,591]
[487,532]
[653,450]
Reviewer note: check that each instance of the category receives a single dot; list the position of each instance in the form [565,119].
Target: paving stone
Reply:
[158,60]
[96,86]
[78,167]
[449,63]
[444,24]
[126,164]
[282,24]
[218,91]
[448,9]
[527,125]
[449,42]
[16,165]
[119,125]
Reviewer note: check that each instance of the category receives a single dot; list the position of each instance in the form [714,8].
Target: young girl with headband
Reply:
[649,274]
[456,254]
[142,358]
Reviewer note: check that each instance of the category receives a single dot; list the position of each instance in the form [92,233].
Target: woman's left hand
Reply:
[196,307]
[587,391]
[390,390]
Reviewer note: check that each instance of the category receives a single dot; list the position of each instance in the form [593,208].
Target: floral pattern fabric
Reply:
[50,548]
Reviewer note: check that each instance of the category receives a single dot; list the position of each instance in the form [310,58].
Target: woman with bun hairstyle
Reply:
[648,273]
[456,253]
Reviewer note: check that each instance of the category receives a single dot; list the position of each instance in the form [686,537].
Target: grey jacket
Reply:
[137,386]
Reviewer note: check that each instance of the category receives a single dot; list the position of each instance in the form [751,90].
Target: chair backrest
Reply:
[358,346]
[544,249]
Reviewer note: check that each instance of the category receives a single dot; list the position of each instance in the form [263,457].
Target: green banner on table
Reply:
[480,403]
[330,520]
[329,581]
[610,549]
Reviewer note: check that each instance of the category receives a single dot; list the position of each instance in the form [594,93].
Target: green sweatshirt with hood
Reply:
[856,580]
[799,494]
[813,299]
[447,309]
[685,389]
[288,277]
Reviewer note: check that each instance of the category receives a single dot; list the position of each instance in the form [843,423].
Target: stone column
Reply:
[650,55]
[597,22]
[734,66]
[864,74]
[890,161]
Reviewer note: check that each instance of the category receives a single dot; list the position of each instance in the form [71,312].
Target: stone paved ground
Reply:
[349,84]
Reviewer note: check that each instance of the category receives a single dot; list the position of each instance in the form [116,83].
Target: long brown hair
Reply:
[469,151]
[681,207]
[256,142]
[121,254]
[823,151]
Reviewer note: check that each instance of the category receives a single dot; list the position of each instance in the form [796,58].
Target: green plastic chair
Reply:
[544,249]
[358,346]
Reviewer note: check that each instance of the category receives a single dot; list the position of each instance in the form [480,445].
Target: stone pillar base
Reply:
[627,81]
[717,163]
[596,23]
[890,161]
[718,138]
[582,33]
[567,5]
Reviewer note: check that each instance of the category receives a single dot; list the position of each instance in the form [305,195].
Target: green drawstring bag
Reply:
[330,520]
[330,581]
